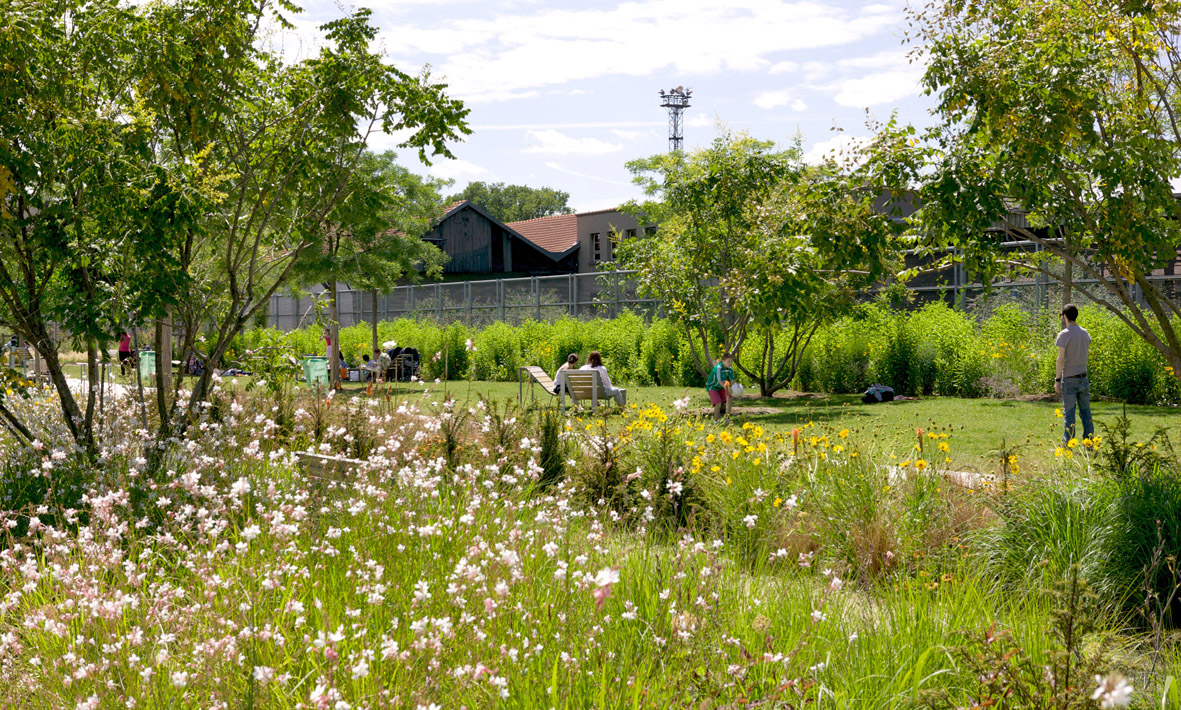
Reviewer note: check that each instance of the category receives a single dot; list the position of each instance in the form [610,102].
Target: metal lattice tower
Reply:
[676,101]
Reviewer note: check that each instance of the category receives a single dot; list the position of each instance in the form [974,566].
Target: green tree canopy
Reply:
[158,161]
[513,203]
[373,238]
[754,242]
[1068,110]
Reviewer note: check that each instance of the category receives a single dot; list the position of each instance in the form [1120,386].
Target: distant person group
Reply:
[389,363]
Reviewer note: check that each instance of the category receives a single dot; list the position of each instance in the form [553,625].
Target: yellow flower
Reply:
[1088,442]
[844,433]
[944,447]
[904,464]
[690,444]
[1058,413]
[920,464]
[1072,443]
[838,449]
[777,502]
[727,480]
[715,469]
[735,454]
[710,439]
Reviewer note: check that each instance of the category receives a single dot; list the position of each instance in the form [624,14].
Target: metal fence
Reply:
[603,294]
[606,294]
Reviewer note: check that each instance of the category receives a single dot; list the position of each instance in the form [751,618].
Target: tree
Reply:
[1069,110]
[158,162]
[373,237]
[73,185]
[281,150]
[513,203]
[752,241]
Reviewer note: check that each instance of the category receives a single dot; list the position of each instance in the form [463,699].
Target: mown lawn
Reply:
[979,426]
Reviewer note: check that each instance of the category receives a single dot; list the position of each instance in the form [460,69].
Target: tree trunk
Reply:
[373,322]
[334,328]
[1068,275]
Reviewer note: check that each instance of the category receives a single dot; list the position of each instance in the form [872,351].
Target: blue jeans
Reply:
[1076,390]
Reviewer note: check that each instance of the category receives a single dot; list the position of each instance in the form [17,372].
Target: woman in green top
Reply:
[717,385]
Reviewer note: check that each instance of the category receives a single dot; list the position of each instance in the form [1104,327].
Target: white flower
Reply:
[607,576]
[750,521]
[240,486]
[180,679]
[251,532]
[263,674]
[361,669]
[1114,691]
[818,616]
[680,404]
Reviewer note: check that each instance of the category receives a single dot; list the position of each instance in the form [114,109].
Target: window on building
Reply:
[597,245]
[630,233]
[649,231]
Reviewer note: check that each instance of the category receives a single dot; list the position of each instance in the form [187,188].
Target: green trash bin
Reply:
[315,370]
[147,364]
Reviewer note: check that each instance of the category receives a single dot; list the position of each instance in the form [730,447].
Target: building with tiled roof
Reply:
[588,232]
[478,243]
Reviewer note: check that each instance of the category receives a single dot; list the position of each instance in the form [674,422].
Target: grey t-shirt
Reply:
[1075,340]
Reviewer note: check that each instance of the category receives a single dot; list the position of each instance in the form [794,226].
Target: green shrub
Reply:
[1145,500]
[498,353]
[1048,526]
[659,354]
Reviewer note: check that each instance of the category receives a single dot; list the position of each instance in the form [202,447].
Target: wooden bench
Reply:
[581,385]
[328,467]
[536,376]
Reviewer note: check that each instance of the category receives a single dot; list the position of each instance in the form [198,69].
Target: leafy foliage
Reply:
[513,203]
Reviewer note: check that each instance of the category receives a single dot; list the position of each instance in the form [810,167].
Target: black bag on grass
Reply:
[878,393]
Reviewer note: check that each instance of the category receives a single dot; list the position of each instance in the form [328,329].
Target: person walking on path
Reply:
[1071,379]
[718,384]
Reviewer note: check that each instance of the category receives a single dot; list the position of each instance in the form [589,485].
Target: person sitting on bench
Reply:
[570,364]
[594,361]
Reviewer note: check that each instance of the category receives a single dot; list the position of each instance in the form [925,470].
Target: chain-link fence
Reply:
[603,294]
[606,294]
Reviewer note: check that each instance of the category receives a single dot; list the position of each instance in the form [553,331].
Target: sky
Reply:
[564,94]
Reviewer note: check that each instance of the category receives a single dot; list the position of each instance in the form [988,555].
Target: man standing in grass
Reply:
[718,384]
[1071,378]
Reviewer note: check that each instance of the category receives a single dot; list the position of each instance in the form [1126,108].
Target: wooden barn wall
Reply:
[467,239]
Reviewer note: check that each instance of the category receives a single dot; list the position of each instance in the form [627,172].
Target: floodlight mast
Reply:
[676,101]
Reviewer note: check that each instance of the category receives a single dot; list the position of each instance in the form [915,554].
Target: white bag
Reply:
[735,390]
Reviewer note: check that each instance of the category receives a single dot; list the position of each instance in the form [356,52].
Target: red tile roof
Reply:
[554,234]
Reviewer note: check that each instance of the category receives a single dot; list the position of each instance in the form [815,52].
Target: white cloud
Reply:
[539,126]
[700,120]
[456,169]
[893,75]
[775,99]
[630,135]
[562,169]
[784,68]
[840,147]
[553,142]
[499,55]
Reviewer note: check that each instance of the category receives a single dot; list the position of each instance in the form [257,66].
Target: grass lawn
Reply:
[978,426]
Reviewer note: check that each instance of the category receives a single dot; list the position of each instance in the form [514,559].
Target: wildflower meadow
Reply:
[481,555]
